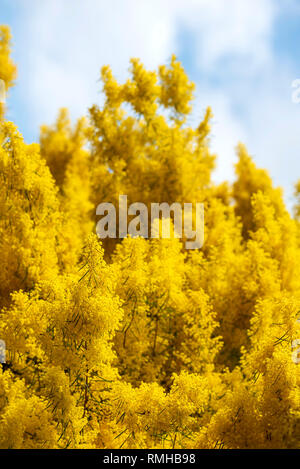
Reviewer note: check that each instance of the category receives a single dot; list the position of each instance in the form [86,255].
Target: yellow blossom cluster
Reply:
[140,343]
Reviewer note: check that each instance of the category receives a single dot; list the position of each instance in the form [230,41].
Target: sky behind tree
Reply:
[242,55]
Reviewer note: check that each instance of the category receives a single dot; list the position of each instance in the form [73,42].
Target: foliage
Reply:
[138,343]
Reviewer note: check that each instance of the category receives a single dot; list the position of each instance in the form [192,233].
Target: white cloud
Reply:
[236,28]
[226,130]
[64,44]
[273,129]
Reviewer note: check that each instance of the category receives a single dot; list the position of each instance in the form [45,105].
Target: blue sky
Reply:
[242,54]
